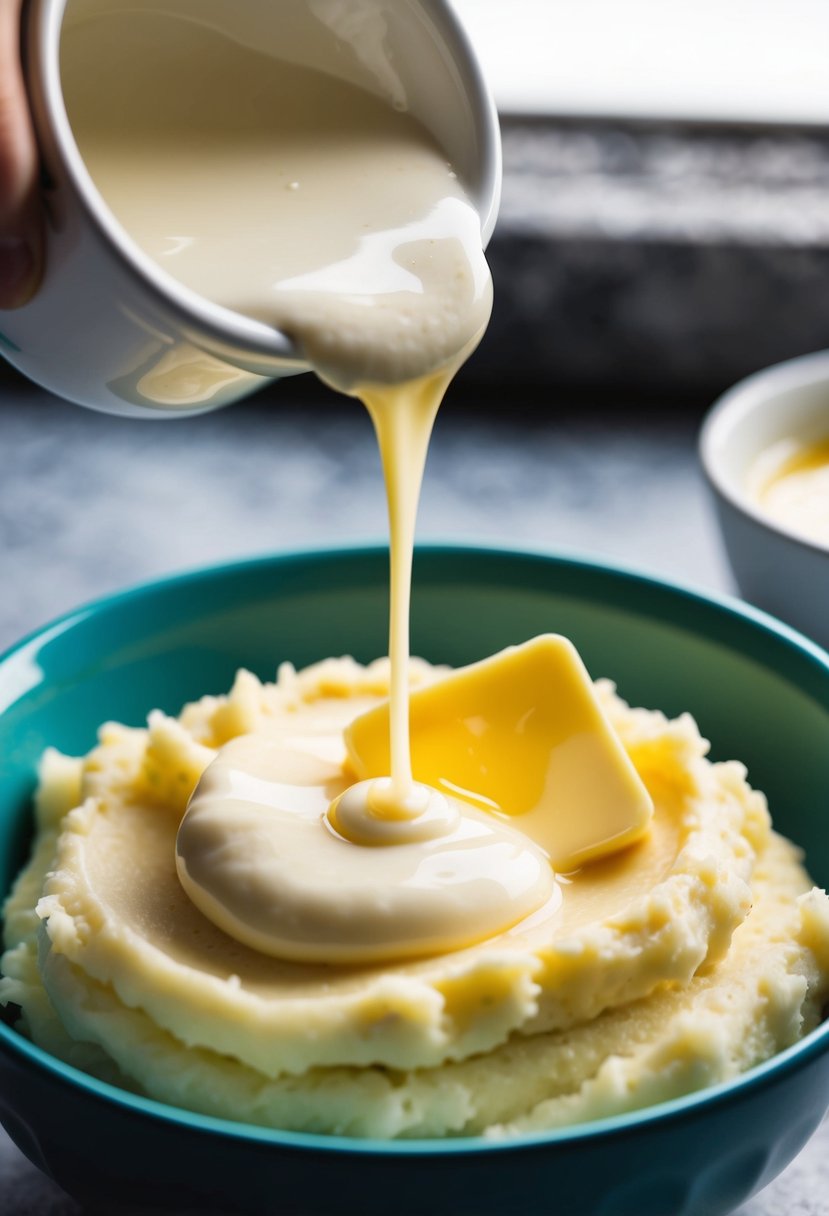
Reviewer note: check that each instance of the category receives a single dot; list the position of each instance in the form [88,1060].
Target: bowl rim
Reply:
[726,609]
[741,400]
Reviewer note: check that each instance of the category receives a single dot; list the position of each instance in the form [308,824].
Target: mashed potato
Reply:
[678,963]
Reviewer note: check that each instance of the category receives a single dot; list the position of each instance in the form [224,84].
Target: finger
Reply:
[20,215]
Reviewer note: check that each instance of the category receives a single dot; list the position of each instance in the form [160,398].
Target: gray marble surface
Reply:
[89,504]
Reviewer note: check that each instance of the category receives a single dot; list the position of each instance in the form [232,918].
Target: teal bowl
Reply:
[759,691]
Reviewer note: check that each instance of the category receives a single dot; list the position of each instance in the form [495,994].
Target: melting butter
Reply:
[523,735]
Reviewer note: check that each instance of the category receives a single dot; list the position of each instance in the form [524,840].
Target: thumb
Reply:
[20,216]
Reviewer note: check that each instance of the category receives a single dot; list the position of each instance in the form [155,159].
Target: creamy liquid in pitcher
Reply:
[307,203]
[281,193]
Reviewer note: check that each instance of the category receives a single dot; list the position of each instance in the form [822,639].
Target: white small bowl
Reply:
[775,567]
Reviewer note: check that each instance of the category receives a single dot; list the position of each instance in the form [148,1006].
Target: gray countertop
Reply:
[89,504]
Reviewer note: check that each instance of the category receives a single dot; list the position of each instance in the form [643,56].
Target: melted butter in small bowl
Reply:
[790,482]
[765,450]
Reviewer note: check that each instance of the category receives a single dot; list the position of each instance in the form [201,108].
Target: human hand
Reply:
[21,239]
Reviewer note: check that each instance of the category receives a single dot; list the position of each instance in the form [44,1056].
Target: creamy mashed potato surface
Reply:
[675,964]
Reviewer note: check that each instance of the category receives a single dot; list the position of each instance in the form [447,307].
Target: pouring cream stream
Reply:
[305,202]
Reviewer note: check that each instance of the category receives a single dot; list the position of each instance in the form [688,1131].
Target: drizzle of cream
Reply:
[374,267]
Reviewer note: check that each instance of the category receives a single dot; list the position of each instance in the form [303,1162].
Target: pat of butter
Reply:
[523,734]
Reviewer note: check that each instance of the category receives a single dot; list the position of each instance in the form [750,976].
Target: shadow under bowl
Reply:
[759,691]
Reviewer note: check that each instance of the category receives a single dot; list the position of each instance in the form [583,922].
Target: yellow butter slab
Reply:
[521,733]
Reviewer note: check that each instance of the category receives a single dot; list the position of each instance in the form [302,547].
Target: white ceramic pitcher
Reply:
[110,329]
